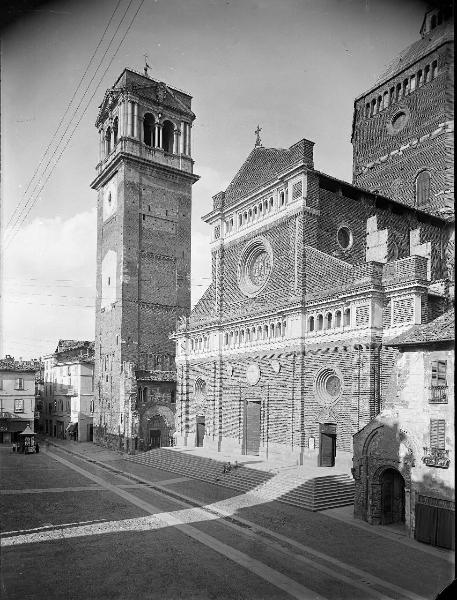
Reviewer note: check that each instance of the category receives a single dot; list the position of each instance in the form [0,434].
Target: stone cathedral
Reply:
[311,276]
[144,181]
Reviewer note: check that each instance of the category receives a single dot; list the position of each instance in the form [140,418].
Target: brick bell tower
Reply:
[403,126]
[144,184]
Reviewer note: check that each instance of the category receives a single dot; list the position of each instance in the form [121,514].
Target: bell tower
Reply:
[144,183]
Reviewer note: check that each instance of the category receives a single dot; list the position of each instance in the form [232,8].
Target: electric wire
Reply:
[64,115]
[33,201]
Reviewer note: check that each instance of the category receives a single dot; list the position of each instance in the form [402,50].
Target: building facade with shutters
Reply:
[67,394]
[17,397]
[144,182]
[311,276]
[404,460]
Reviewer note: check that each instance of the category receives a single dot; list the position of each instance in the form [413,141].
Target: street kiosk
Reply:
[27,441]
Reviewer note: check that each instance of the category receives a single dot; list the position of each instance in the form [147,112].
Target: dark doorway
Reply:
[392,497]
[90,433]
[154,438]
[327,444]
[200,431]
[252,428]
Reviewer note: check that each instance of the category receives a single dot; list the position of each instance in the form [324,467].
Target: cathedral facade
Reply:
[311,276]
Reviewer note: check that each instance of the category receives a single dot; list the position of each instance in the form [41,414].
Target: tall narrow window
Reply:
[434,69]
[427,73]
[115,130]
[420,78]
[412,83]
[167,136]
[437,433]
[422,188]
[19,383]
[148,129]
[439,372]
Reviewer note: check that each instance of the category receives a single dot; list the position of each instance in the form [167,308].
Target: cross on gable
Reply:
[258,141]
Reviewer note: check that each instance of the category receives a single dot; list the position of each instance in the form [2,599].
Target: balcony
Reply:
[135,147]
[437,394]
[436,457]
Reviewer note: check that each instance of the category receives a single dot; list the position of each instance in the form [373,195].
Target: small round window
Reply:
[398,121]
[344,237]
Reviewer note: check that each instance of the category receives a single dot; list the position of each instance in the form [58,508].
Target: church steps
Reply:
[315,494]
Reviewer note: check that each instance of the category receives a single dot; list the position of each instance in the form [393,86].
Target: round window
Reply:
[398,121]
[200,389]
[328,386]
[255,267]
[344,237]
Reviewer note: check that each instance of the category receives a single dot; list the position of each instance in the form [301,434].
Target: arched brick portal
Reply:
[157,426]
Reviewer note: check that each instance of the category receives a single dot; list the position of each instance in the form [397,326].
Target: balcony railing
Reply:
[437,394]
[436,457]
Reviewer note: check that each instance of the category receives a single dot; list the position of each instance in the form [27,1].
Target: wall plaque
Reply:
[253,374]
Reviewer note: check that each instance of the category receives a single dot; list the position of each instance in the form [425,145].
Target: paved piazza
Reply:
[115,529]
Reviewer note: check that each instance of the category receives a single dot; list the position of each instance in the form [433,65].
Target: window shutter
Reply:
[437,433]
[439,372]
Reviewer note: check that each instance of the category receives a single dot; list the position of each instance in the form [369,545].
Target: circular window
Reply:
[255,266]
[200,389]
[344,237]
[328,386]
[398,121]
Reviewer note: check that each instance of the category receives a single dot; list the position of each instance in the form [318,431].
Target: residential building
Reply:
[68,391]
[404,459]
[17,397]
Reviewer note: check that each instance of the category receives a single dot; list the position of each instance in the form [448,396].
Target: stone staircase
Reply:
[296,486]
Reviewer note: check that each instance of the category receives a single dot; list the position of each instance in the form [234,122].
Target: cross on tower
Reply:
[146,66]
[258,141]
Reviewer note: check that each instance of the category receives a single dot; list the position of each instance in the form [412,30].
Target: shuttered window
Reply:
[437,433]
[438,372]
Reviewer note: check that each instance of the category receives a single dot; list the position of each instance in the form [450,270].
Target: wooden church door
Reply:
[252,427]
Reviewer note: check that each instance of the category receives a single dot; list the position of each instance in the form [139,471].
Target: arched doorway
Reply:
[392,497]
[158,432]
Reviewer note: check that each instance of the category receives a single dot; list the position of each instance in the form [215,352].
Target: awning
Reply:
[71,427]
[13,426]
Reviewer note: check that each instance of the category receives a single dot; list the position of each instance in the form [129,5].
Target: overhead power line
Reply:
[33,201]
[12,217]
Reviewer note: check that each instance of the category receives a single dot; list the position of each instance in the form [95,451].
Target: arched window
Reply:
[242,337]
[260,209]
[278,329]
[115,130]
[167,136]
[398,91]
[148,129]
[253,334]
[284,323]
[248,335]
[108,140]
[311,324]
[427,73]
[433,22]
[405,87]
[367,110]
[240,219]
[434,69]
[412,83]
[328,320]
[272,330]
[282,198]
[373,107]
[259,332]
[320,322]
[420,79]
[271,204]
[226,339]
[385,100]
[422,186]
[265,332]
[347,316]
[231,338]
[145,394]
[338,318]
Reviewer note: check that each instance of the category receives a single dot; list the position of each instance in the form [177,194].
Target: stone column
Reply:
[176,141]
[135,120]
[183,138]
[189,140]
[120,127]
[100,144]
[157,135]
[129,117]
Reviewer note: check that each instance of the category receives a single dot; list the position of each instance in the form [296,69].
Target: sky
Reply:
[292,66]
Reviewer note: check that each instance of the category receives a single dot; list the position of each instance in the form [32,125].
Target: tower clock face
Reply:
[109,200]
